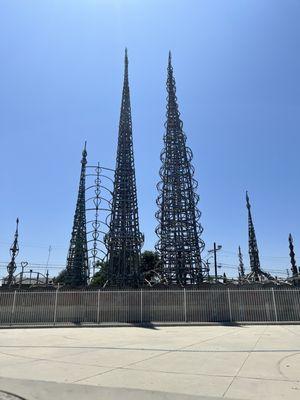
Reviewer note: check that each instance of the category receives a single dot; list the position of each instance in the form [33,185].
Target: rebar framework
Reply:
[124,239]
[179,228]
[77,260]
[256,273]
[96,224]
[98,210]
[14,251]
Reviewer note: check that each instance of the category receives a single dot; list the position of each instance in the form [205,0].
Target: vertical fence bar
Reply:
[274,303]
[55,307]
[298,305]
[98,307]
[184,305]
[13,308]
[229,304]
[141,316]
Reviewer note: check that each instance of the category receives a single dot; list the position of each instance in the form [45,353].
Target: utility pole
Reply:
[214,251]
[48,258]
[215,262]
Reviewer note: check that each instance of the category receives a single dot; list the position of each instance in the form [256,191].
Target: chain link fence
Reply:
[61,308]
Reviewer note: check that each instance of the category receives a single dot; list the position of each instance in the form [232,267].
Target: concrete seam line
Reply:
[249,353]
[92,376]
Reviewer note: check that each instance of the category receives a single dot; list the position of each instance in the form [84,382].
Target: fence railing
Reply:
[141,306]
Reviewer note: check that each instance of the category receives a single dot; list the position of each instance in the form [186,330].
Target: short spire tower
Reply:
[294,268]
[14,251]
[253,249]
[77,261]
[241,264]
[256,273]
[124,239]
[179,228]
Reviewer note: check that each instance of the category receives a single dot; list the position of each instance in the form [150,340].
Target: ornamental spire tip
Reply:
[247,199]
[84,152]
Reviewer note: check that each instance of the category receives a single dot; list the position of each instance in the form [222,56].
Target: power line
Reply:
[40,246]
[262,256]
[43,265]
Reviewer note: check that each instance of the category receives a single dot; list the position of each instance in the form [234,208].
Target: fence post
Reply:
[55,306]
[229,304]
[98,307]
[141,317]
[184,305]
[13,308]
[274,303]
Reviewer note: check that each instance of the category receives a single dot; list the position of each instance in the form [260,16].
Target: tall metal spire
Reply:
[77,261]
[253,249]
[124,239]
[14,251]
[179,229]
[241,264]
[256,273]
[292,256]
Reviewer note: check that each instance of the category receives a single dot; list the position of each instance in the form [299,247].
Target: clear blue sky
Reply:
[237,67]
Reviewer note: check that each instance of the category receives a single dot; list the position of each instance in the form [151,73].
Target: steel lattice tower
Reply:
[124,239]
[77,261]
[179,229]
[256,274]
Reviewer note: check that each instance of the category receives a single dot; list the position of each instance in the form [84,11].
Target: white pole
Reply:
[229,304]
[98,307]
[274,303]
[184,303]
[55,306]
[13,308]
[141,305]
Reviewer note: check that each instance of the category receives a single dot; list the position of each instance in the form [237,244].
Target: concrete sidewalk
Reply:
[243,362]
[33,390]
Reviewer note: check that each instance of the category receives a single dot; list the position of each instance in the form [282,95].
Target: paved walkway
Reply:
[242,362]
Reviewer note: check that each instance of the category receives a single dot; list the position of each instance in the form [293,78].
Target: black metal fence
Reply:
[56,308]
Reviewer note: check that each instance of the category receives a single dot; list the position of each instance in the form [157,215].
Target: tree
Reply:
[100,277]
[150,265]
[62,277]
